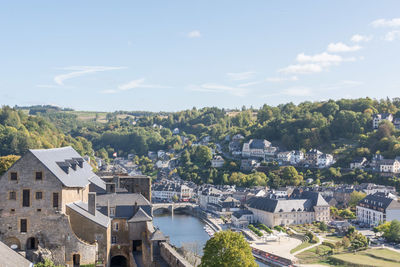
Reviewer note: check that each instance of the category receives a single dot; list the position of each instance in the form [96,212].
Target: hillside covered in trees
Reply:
[342,127]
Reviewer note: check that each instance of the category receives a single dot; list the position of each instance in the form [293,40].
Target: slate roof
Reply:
[55,159]
[124,204]
[316,198]
[259,144]
[140,216]
[240,213]
[280,205]
[10,258]
[122,199]
[379,201]
[82,208]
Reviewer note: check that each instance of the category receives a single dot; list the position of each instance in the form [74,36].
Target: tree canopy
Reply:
[227,249]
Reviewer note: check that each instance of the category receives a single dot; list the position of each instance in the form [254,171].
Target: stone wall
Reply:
[172,257]
[89,232]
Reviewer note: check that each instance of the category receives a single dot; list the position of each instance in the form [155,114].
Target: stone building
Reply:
[306,208]
[129,213]
[44,208]
[134,184]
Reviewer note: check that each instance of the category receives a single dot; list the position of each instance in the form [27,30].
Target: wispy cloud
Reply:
[194,34]
[324,59]
[391,23]
[249,84]
[138,83]
[341,47]
[301,69]
[391,36]
[77,71]
[218,88]
[358,38]
[281,79]
[240,76]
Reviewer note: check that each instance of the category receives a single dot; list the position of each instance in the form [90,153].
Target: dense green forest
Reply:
[342,127]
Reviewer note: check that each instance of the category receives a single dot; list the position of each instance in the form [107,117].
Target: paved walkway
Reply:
[321,239]
[280,248]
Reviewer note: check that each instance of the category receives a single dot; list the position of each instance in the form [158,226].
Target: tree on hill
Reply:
[227,249]
[356,197]
[6,162]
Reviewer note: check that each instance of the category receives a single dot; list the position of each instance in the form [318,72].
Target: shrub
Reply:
[255,230]
[329,244]
[311,237]
[265,228]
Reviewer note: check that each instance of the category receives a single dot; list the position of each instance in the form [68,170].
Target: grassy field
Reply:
[333,239]
[303,246]
[370,257]
[314,255]
[91,115]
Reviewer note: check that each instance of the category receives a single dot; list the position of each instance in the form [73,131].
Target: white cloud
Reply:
[240,76]
[249,84]
[357,38]
[138,83]
[194,34]
[78,71]
[218,88]
[324,59]
[297,91]
[341,47]
[281,79]
[391,36]
[131,85]
[386,23]
[301,69]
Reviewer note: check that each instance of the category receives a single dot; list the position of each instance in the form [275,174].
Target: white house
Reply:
[378,208]
[217,162]
[380,117]
[358,163]
[324,160]
[242,218]
[297,157]
[285,156]
[255,148]
[389,165]
[175,131]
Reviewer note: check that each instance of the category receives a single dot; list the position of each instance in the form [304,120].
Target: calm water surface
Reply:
[184,230]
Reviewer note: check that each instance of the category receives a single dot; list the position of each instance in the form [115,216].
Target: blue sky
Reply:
[173,55]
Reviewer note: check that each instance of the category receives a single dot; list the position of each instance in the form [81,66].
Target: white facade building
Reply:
[377,208]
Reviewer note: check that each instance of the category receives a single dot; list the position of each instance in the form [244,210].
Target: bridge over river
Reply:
[173,206]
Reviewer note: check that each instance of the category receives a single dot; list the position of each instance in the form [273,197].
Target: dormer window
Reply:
[64,166]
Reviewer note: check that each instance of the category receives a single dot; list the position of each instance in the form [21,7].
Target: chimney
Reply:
[92,203]
[136,207]
[110,187]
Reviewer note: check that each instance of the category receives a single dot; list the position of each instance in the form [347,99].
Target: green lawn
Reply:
[302,246]
[333,238]
[311,256]
[368,258]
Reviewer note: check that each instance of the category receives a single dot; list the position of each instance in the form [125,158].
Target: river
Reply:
[184,230]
